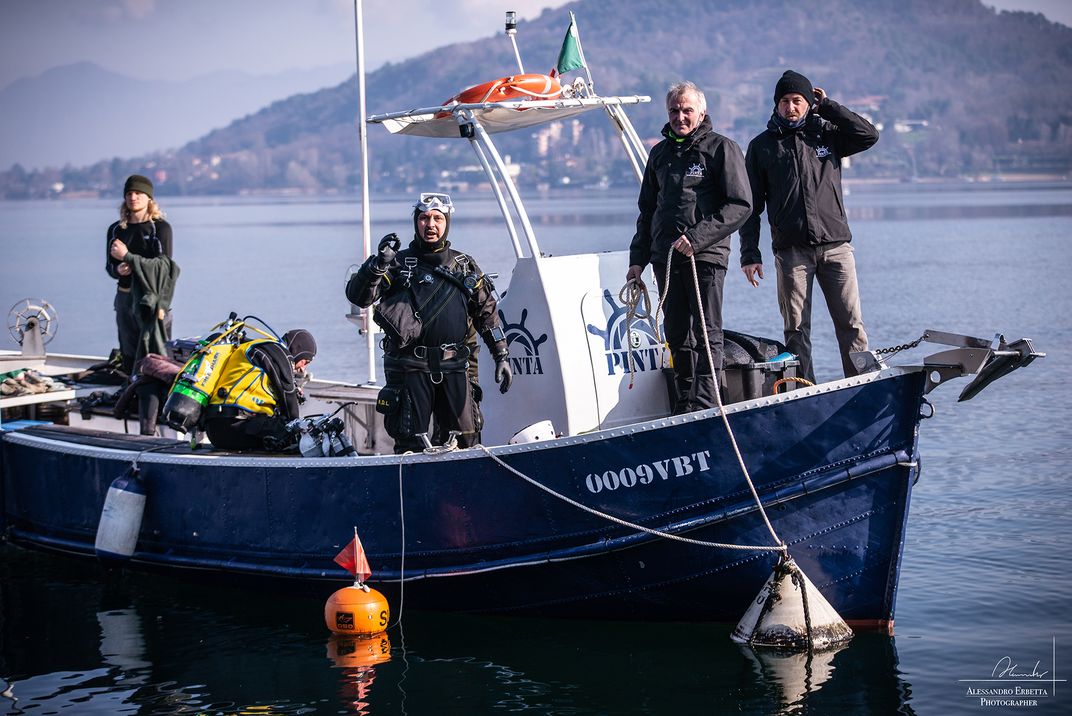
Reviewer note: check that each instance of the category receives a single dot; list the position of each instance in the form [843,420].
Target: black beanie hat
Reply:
[300,343]
[136,182]
[790,82]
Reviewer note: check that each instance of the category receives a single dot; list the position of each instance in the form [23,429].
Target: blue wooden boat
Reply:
[613,516]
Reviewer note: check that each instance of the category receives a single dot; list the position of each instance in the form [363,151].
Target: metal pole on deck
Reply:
[366,221]
[511,32]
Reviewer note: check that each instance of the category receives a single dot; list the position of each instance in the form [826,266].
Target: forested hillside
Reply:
[958,89]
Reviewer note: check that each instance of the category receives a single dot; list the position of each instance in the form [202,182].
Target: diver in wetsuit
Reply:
[258,392]
[428,294]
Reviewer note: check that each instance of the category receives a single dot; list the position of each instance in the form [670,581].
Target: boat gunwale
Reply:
[58,444]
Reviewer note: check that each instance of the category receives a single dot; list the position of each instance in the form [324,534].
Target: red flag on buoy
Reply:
[352,559]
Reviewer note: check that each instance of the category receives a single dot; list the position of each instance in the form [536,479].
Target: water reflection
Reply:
[357,657]
[75,638]
[798,674]
[859,677]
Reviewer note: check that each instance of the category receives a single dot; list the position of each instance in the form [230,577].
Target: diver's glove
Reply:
[387,250]
[504,375]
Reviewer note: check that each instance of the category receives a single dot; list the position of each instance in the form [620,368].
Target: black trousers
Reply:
[693,376]
[127,328]
[445,396]
[249,433]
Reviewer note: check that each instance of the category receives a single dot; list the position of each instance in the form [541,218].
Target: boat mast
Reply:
[511,32]
[368,327]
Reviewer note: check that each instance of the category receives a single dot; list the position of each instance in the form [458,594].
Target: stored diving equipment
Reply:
[198,378]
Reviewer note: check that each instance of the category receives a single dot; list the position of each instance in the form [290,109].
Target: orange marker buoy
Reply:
[357,610]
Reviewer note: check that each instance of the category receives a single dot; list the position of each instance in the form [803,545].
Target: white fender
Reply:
[120,521]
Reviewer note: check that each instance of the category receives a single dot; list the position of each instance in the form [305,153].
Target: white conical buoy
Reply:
[790,613]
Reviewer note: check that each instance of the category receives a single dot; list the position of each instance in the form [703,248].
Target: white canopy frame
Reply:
[477,122]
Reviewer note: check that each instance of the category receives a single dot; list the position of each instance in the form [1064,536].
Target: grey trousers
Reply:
[834,267]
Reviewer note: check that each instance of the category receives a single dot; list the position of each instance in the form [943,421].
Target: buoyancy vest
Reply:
[243,385]
[424,292]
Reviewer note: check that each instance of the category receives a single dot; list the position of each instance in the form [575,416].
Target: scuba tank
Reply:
[195,382]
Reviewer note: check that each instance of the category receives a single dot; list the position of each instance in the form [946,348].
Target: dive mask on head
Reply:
[433,201]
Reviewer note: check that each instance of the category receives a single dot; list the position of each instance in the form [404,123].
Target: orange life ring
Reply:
[534,86]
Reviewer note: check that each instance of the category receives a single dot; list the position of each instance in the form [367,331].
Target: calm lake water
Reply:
[984,577]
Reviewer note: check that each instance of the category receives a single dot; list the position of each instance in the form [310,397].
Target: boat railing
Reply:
[476,122]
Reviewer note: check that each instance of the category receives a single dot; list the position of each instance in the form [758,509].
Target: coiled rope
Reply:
[632,295]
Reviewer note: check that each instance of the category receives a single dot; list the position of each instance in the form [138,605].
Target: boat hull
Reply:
[833,465]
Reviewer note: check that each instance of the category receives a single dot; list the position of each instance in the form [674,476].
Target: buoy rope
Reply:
[718,397]
[780,546]
[402,565]
[134,462]
[618,520]
[632,296]
[798,579]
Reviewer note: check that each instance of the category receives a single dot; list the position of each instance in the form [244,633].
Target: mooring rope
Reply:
[631,287]
[799,580]
[718,395]
[618,520]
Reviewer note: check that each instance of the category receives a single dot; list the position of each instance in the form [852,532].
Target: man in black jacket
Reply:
[430,295]
[695,194]
[795,170]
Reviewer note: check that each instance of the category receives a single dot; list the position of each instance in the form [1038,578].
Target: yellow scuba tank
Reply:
[198,378]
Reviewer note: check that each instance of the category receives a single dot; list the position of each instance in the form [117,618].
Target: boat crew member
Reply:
[795,171]
[429,294]
[693,197]
[143,231]
[258,394]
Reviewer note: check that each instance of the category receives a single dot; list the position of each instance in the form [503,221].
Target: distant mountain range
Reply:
[82,113]
[957,87]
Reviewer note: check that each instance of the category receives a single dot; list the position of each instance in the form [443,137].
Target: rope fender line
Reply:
[626,523]
[718,398]
[781,546]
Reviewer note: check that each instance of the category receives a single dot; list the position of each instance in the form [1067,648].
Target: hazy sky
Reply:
[179,39]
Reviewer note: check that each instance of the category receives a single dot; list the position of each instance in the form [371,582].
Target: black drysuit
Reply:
[427,299]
